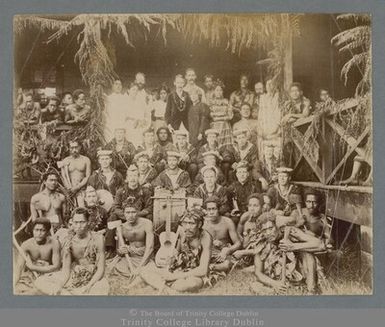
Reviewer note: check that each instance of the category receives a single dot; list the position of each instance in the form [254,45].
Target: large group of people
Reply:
[225,154]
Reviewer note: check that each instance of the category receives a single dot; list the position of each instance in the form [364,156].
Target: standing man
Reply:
[42,256]
[178,106]
[225,238]
[49,203]
[191,86]
[173,177]
[75,171]
[115,105]
[138,244]
[240,96]
[198,118]
[269,119]
[106,178]
[208,81]
[190,264]
[78,113]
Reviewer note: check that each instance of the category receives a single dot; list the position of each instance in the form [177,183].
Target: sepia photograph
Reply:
[192,154]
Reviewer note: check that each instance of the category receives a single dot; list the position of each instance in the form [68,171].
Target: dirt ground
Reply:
[343,278]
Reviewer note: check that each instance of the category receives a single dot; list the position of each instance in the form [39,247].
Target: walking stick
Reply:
[285,237]
[22,253]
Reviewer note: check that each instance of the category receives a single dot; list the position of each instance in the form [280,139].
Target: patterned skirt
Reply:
[225,136]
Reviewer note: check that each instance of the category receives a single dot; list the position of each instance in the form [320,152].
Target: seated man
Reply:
[49,203]
[132,189]
[244,150]
[313,235]
[52,112]
[211,159]
[210,188]
[187,153]
[147,173]
[83,262]
[42,256]
[78,113]
[286,197]
[239,190]
[190,264]
[172,178]
[138,244]
[123,151]
[224,234]
[75,171]
[98,215]
[106,177]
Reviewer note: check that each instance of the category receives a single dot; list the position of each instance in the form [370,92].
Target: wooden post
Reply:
[287,43]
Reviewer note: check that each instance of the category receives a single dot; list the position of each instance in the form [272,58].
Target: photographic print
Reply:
[192,154]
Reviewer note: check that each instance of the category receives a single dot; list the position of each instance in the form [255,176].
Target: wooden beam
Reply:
[288,58]
[351,149]
[345,188]
[300,145]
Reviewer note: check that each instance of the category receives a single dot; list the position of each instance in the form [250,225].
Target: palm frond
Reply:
[360,34]
[356,61]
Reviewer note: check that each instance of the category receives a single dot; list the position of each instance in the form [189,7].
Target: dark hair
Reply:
[54,98]
[245,104]
[219,83]
[169,136]
[164,87]
[44,177]
[208,76]
[42,221]
[189,69]
[312,191]
[211,199]
[81,211]
[256,196]
[196,214]
[297,85]
[77,94]
[179,76]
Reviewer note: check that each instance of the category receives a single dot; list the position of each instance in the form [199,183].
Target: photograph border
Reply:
[7,300]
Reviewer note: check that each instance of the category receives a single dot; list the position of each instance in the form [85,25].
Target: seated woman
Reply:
[190,263]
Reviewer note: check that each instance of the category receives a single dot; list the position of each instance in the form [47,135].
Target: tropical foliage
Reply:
[355,40]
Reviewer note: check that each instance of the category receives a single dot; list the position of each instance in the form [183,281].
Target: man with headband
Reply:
[190,264]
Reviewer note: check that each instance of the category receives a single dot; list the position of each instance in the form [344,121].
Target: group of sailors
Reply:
[226,155]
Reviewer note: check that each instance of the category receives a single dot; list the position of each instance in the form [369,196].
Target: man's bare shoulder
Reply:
[206,238]
[85,158]
[146,223]
[227,221]
[28,244]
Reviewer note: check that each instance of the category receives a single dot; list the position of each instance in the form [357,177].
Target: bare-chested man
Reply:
[75,170]
[77,113]
[42,256]
[225,238]
[138,239]
[190,265]
[83,261]
[49,203]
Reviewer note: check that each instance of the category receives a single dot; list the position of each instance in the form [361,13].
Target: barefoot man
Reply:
[190,264]
[83,261]
[225,238]
[49,203]
[42,256]
[138,239]
[75,170]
